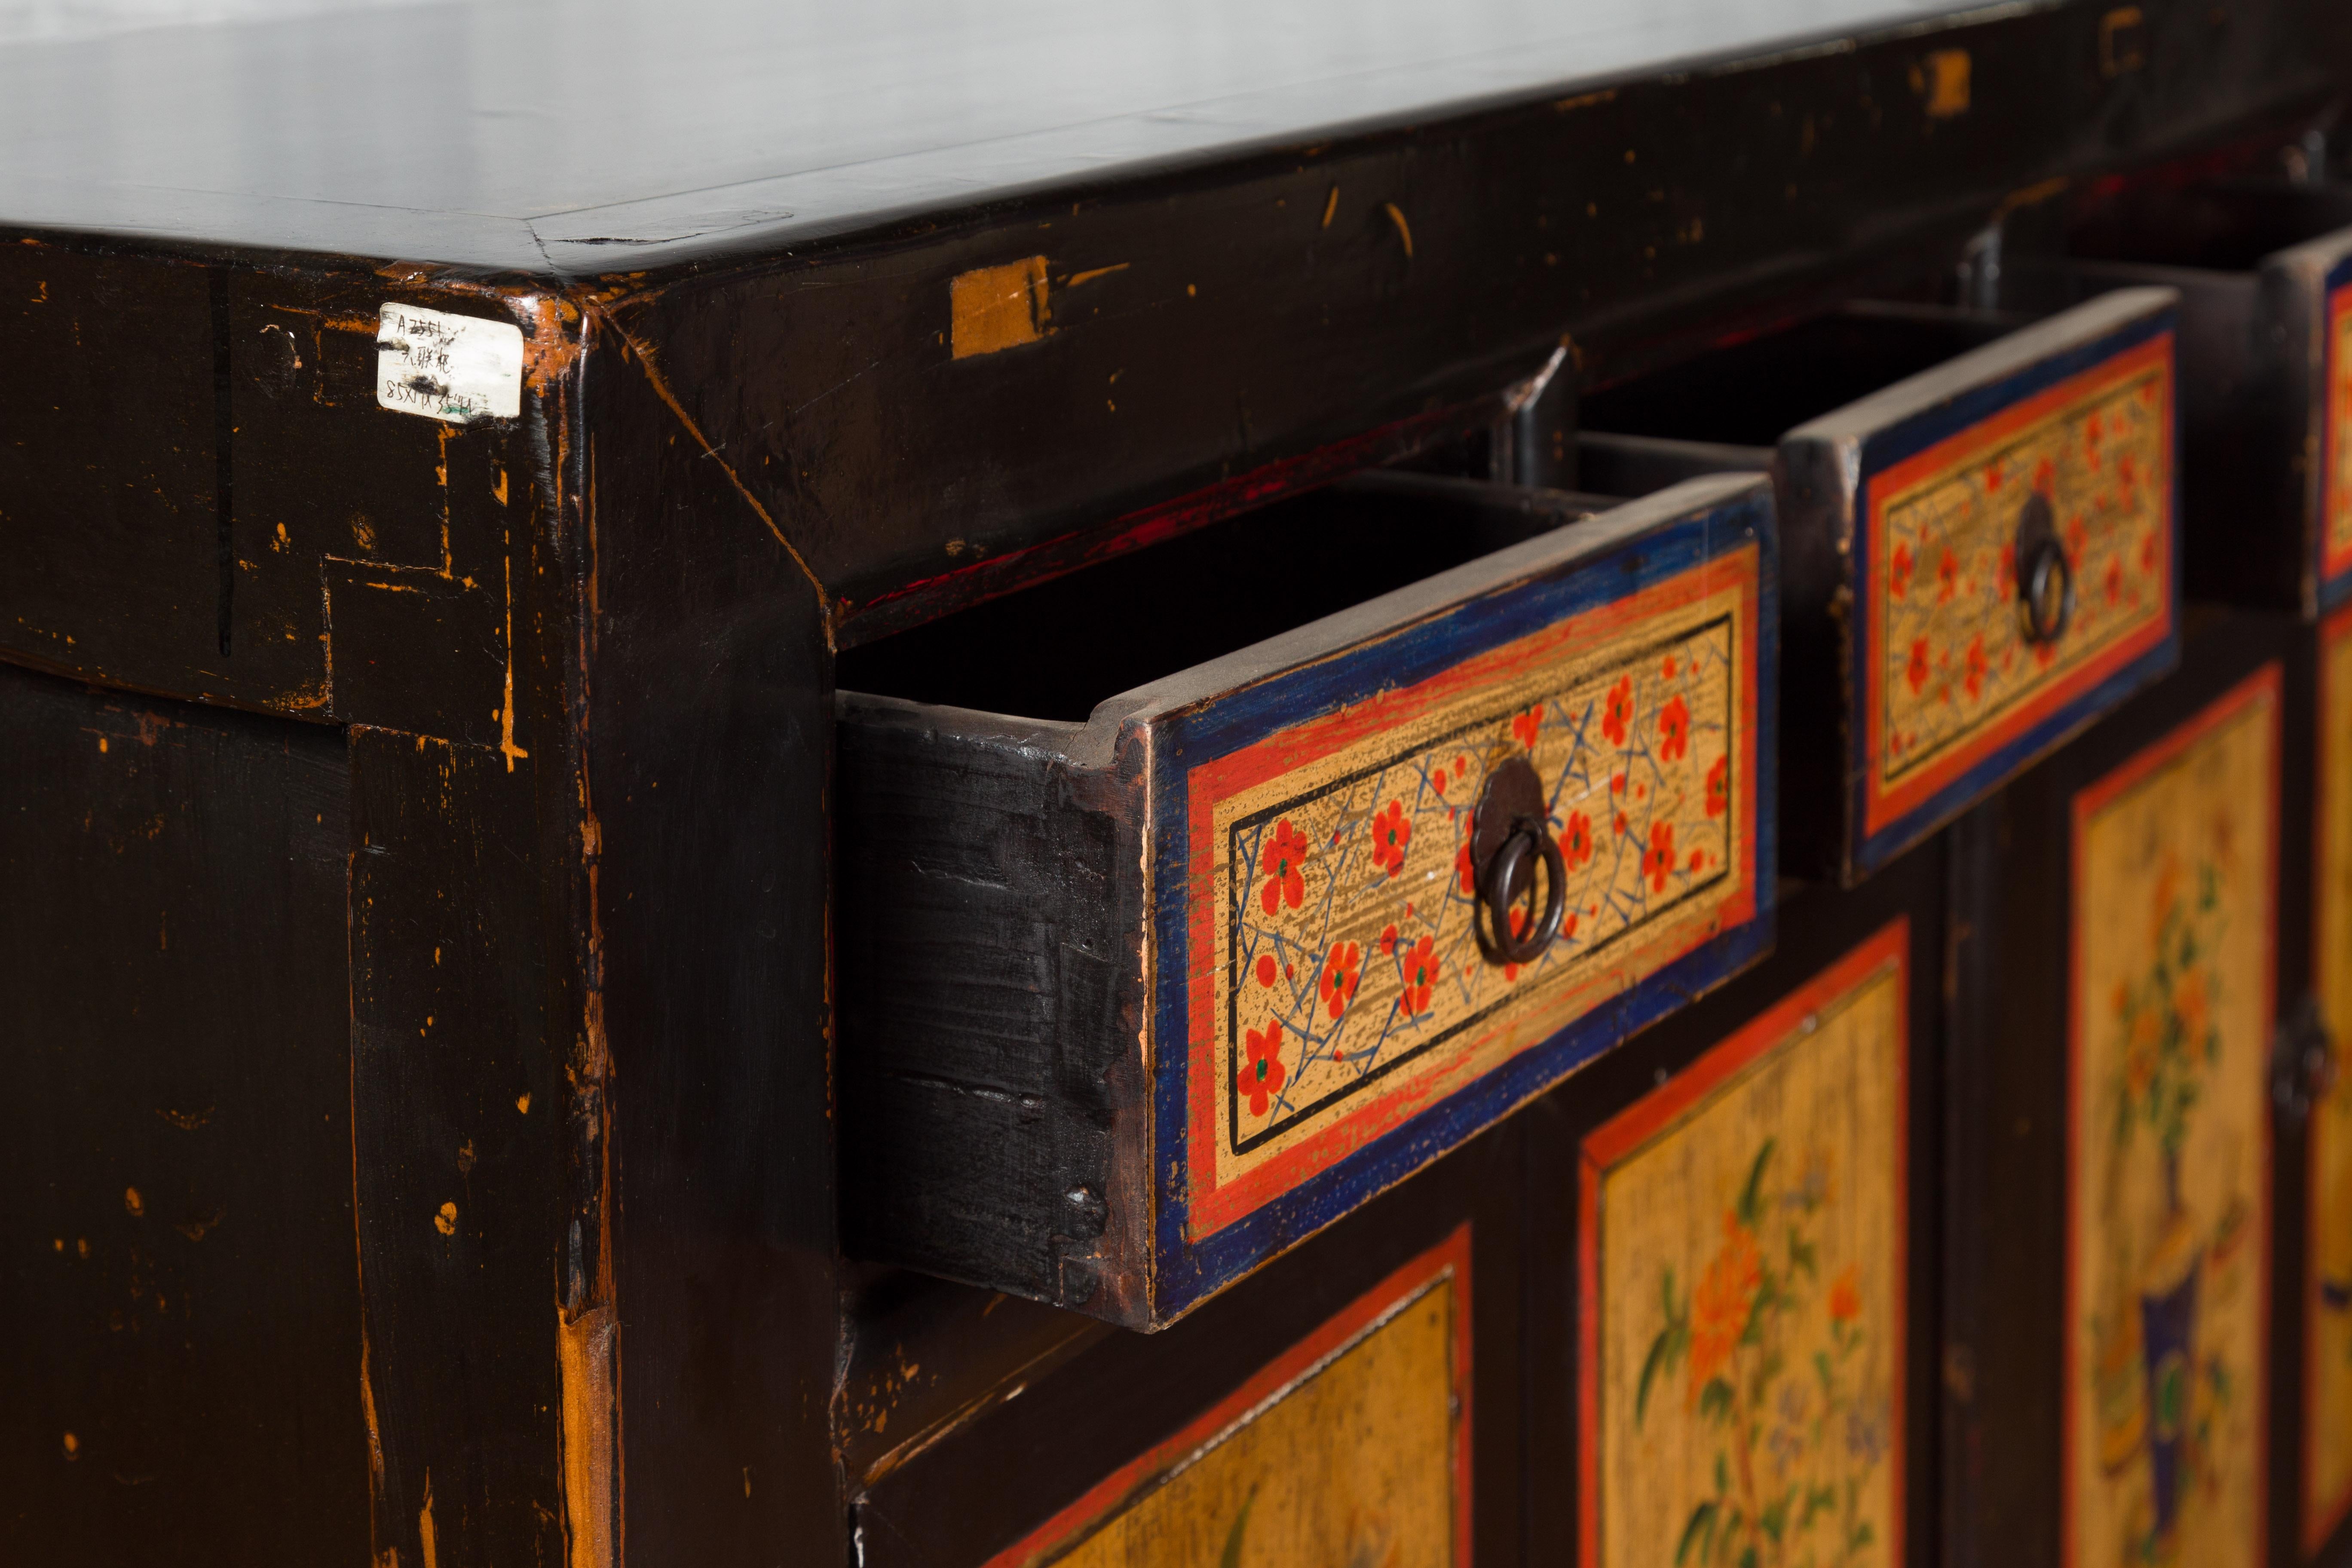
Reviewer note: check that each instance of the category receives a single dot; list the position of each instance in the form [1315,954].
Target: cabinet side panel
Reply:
[180,1294]
[985,971]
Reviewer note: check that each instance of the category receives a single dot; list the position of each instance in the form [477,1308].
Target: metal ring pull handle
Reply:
[1508,836]
[2045,578]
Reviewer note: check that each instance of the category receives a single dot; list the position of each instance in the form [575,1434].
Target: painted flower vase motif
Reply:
[2167,1315]
[2174,888]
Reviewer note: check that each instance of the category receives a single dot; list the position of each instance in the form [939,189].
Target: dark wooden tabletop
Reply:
[571,139]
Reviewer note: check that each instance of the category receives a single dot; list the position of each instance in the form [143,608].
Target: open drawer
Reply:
[1252,913]
[1978,524]
[2264,274]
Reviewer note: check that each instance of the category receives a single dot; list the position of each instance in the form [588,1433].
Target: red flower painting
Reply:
[1420,968]
[1658,860]
[1261,1075]
[1527,726]
[1898,582]
[1284,859]
[1916,671]
[1391,833]
[1719,786]
[1576,840]
[1975,678]
[1341,972]
[1674,730]
[1618,714]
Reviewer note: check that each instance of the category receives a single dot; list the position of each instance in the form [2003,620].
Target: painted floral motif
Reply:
[1954,652]
[1796,1435]
[1391,831]
[1285,877]
[1342,971]
[2170,1027]
[1263,1073]
[1636,759]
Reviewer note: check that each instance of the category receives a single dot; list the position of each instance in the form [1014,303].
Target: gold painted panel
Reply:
[1351,1449]
[2168,1141]
[1743,1249]
[2327,1355]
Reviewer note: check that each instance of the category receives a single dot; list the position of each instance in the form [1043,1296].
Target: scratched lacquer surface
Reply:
[1742,1259]
[1346,988]
[1351,1447]
[1950,672]
[2327,1311]
[2168,1217]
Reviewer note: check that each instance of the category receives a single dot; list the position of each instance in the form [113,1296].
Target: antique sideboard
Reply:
[1082,784]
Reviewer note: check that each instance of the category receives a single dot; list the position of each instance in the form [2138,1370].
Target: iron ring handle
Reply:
[2045,578]
[1500,875]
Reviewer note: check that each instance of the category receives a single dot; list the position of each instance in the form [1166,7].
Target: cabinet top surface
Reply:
[586,136]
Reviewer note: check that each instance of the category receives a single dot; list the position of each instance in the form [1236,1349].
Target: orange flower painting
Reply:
[1746,1349]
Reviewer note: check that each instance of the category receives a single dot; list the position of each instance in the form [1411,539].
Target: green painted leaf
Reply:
[1751,1197]
[1701,1523]
[1651,1364]
[1231,1557]
[1714,1399]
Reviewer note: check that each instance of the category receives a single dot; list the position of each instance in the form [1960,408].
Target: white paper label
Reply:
[457,368]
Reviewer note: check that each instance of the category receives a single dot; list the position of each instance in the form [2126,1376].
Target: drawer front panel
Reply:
[1334,1022]
[2174,888]
[2336,538]
[1354,1447]
[1951,686]
[1742,1259]
[2327,1304]
[1349,988]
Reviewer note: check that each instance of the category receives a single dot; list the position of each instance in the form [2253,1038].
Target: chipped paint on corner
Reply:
[587,1348]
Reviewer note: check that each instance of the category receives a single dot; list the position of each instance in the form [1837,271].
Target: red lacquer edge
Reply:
[2335,396]
[2087,803]
[2320,1518]
[1881,807]
[1630,1129]
[1337,1335]
[1214,1205]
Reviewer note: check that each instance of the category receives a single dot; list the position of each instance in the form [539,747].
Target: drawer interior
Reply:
[1056,650]
[1747,392]
[2222,226]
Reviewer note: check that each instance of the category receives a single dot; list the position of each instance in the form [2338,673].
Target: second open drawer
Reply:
[1140,989]
[1980,528]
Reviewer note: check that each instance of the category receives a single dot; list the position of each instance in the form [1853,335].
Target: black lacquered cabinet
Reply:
[560,1008]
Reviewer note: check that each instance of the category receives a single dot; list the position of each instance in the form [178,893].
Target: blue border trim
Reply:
[2332,591]
[1867,851]
[1185,1271]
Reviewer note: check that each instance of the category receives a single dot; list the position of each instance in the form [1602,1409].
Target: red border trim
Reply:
[1630,1129]
[1215,1206]
[2320,1518]
[1880,808]
[2336,410]
[2086,804]
[1132,1481]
